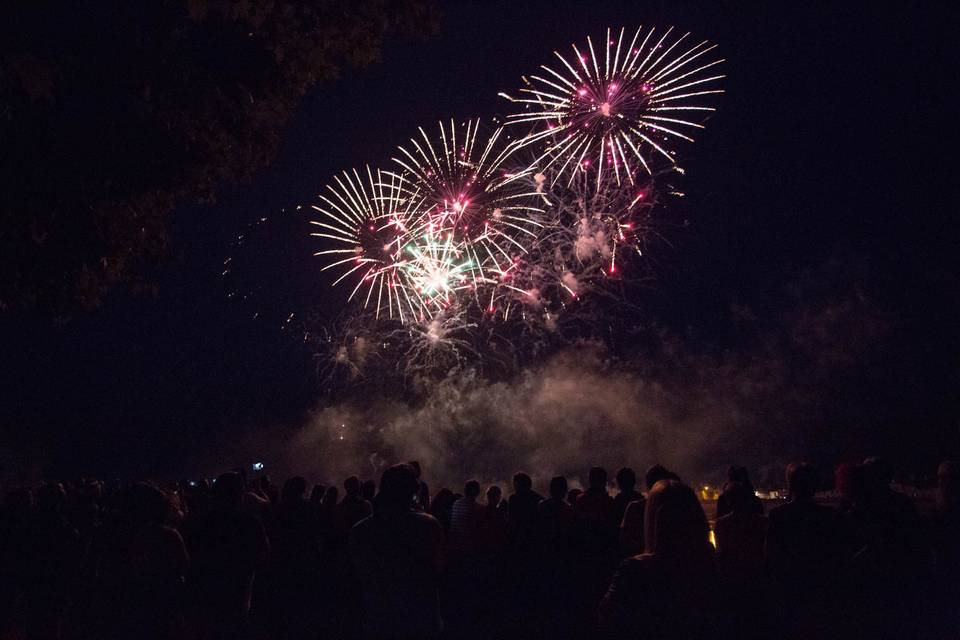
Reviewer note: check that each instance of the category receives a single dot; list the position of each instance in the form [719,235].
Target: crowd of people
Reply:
[242,558]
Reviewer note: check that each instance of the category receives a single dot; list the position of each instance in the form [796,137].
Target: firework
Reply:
[472,195]
[439,344]
[474,237]
[620,111]
[436,269]
[588,237]
[366,222]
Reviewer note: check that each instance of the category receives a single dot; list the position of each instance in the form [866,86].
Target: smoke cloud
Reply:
[691,408]
[815,379]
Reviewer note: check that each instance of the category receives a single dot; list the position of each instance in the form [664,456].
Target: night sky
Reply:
[822,177]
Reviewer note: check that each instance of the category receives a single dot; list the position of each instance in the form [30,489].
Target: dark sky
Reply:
[826,163]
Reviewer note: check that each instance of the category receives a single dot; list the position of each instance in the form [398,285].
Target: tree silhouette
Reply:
[112,112]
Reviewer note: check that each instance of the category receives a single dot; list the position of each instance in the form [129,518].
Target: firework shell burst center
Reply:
[475,222]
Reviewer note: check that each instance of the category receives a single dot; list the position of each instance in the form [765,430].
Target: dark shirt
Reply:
[555,517]
[620,502]
[724,505]
[802,544]
[226,547]
[398,556]
[522,513]
[351,510]
[650,597]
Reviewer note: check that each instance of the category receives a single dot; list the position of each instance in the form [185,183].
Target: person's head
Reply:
[801,481]
[948,483]
[598,478]
[316,494]
[494,495]
[522,482]
[674,523]
[442,503]
[352,486]
[626,479]
[294,489]
[558,488]
[415,465]
[398,486]
[228,490]
[423,496]
[330,496]
[658,472]
[739,474]
[739,496]
[471,490]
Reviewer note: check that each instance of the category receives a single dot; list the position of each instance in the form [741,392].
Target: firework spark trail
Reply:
[437,269]
[472,194]
[621,115]
[441,343]
[584,240]
[367,221]
[465,237]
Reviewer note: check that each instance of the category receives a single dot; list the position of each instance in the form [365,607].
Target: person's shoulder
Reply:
[167,532]
[421,518]
[641,564]
[363,525]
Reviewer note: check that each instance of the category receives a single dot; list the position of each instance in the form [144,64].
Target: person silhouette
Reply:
[316,494]
[945,533]
[465,564]
[626,483]
[227,547]
[554,517]
[142,563]
[890,559]
[740,544]
[398,556]
[594,544]
[52,557]
[739,475]
[295,566]
[668,591]
[558,591]
[465,522]
[802,555]
[656,473]
[354,507]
